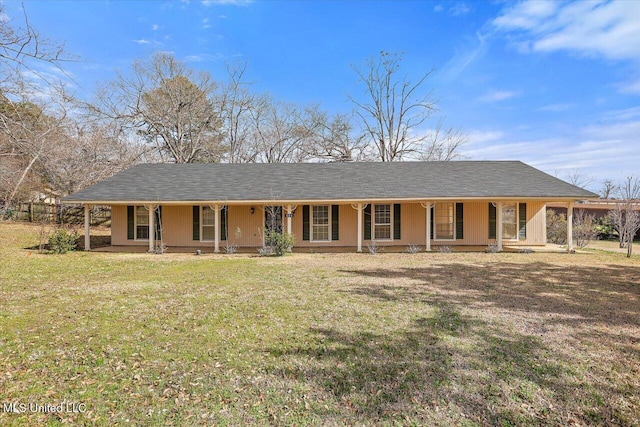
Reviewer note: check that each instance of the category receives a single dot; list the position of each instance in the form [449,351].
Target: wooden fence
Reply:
[58,213]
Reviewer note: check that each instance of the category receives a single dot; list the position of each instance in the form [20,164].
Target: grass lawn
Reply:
[326,339]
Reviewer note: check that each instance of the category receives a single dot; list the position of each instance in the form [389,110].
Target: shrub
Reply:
[414,249]
[277,243]
[374,247]
[584,228]
[492,248]
[556,227]
[62,241]
[445,249]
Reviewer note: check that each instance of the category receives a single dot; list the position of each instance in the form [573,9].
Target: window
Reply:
[142,223]
[208,216]
[382,222]
[444,218]
[509,221]
[320,223]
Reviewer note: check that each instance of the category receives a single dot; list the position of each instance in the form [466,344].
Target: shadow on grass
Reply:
[578,294]
[455,367]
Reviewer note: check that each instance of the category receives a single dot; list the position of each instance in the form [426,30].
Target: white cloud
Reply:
[629,87]
[4,18]
[226,2]
[599,28]
[155,27]
[141,41]
[606,150]
[556,108]
[204,57]
[499,95]
[462,59]
[459,9]
[438,8]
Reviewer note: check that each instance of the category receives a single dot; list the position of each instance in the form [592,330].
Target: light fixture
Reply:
[252,210]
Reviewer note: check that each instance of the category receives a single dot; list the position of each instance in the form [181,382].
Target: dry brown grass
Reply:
[422,339]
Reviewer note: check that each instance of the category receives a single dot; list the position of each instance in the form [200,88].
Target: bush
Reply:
[584,228]
[445,249]
[374,247]
[277,243]
[62,241]
[414,249]
[556,227]
[492,248]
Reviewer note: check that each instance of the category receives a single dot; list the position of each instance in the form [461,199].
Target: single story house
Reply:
[330,205]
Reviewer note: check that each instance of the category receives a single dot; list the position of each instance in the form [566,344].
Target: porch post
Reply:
[427,246]
[570,226]
[499,225]
[359,227]
[216,216]
[87,224]
[152,228]
[289,220]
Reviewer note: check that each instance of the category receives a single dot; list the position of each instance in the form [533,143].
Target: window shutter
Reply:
[396,221]
[522,212]
[131,232]
[158,222]
[305,222]
[492,221]
[432,208]
[335,223]
[367,222]
[223,223]
[459,221]
[196,223]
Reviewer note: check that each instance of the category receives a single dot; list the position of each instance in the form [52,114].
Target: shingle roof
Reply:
[327,181]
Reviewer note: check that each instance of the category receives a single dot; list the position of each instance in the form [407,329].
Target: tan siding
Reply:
[475,224]
[119,226]
[250,225]
[177,226]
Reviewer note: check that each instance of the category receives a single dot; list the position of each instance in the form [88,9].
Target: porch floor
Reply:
[549,248]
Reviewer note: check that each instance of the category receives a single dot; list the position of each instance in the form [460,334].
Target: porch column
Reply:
[427,245]
[499,225]
[152,228]
[216,223]
[289,219]
[360,227]
[87,224]
[570,226]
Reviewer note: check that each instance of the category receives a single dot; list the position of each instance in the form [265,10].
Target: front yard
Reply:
[424,339]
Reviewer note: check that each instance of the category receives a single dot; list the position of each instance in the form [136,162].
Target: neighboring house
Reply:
[331,205]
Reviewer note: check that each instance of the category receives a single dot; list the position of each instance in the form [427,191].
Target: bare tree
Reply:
[577,178]
[443,144]
[236,105]
[608,189]
[28,132]
[626,216]
[22,47]
[334,138]
[281,132]
[393,108]
[169,106]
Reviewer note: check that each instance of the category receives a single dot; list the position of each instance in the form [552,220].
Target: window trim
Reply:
[517,222]
[373,222]
[453,223]
[202,239]
[329,224]
[135,223]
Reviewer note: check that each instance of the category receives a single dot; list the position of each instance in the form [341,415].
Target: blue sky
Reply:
[554,84]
